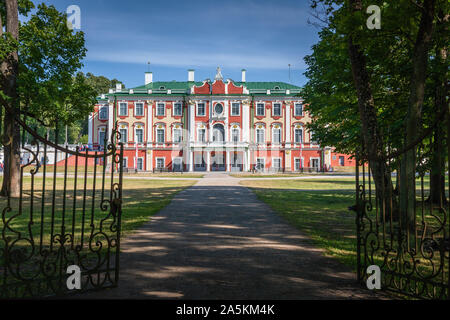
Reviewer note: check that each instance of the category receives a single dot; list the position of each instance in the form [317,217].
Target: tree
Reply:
[9,70]
[378,79]
[46,83]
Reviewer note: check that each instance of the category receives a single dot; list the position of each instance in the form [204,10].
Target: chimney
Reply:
[148,78]
[243,75]
[118,87]
[191,75]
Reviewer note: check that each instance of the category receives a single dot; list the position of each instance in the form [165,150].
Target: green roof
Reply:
[183,87]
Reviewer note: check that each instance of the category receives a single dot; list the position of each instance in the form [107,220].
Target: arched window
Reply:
[235,134]
[218,133]
[139,133]
[260,134]
[298,134]
[123,130]
[276,134]
[160,134]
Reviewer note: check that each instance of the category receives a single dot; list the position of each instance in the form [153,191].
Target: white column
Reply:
[228,167]
[191,160]
[110,120]
[208,161]
[150,123]
[191,122]
[245,122]
[288,125]
[248,159]
[90,131]
[227,127]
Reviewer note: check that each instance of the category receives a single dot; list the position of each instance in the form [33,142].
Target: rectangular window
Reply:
[123,135]
[298,135]
[201,111]
[235,135]
[341,161]
[123,109]
[315,163]
[101,138]
[260,163]
[139,135]
[277,109]
[125,162]
[235,109]
[160,163]
[103,113]
[260,108]
[160,136]
[260,136]
[160,108]
[276,163]
[201,135]
[177,135]
[177,109]
[298,110]
[139,109]
[276,136]
[140,164]
[297,163]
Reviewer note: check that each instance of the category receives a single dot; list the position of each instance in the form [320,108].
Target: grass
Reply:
[319,208]
[130,172]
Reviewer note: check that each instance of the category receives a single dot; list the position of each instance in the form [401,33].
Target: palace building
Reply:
[219,125]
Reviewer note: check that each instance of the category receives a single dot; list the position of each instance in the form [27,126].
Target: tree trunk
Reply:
[414,116]
[9,72]
[373,140]
[437,176]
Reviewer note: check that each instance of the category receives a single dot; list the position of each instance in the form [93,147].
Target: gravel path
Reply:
[216,240]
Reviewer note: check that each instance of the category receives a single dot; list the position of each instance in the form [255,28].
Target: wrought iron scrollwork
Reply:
[54,224]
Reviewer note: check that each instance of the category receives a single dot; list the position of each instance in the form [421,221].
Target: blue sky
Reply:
[261,36]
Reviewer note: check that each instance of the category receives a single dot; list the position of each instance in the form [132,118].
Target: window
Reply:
[260,108]
[341,161]
[276,136]
[177,137]
[298,136]
[123,135]
[125,162]
[276,163]
[201,109]
[101,138]
[260,163]
[298,164]
[313,140]
[235,135]
[139,109]
[140,135]
[160,163]
[103,113]
[160,136]
[235,109]
[160,109]
[260,136]
[201,137]
[298,112]
[218,133]
[140,164]
[218,109]
[177,109]
[315,163]
[123,109]
[277,109]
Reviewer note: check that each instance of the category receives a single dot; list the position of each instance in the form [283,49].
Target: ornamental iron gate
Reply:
[68,214]
[414,261]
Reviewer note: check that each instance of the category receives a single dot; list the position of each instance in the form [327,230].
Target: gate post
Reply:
[358,235]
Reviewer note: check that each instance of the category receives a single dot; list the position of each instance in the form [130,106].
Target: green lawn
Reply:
[322,215]
[319,208]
